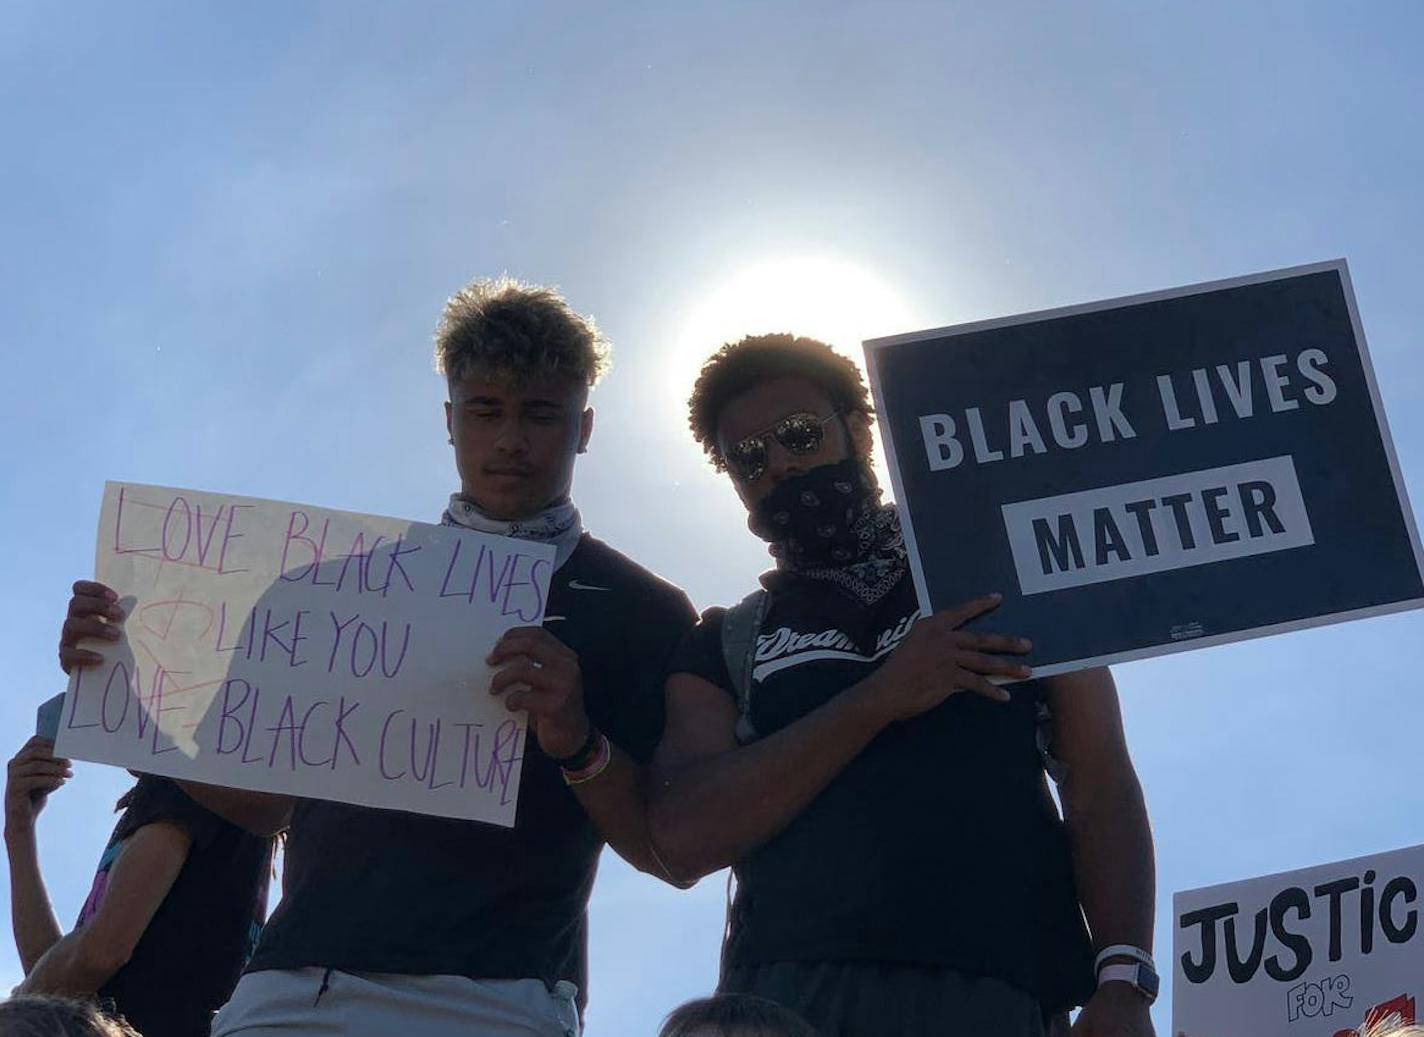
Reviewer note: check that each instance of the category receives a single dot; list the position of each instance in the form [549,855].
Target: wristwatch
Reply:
[1142,977]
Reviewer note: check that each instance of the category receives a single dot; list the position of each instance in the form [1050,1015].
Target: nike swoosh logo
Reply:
[575,585]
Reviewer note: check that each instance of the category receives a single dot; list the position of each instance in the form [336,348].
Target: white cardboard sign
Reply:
[1321,952]
[294,649]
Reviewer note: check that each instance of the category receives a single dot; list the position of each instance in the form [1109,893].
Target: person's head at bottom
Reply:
[734,1015]
[35,1016]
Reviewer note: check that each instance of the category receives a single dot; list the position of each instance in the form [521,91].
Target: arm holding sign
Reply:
[539,673]
[83,961]
[715,800]
[1111,839]
[33,774]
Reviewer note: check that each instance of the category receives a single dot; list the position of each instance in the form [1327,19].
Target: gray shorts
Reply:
[316,1002]
[857,999]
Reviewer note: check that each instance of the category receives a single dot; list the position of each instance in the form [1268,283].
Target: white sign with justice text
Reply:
[1329,951]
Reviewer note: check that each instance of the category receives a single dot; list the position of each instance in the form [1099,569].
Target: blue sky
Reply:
[229,230]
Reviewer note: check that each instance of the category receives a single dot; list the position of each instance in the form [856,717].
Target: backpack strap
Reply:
[740,626]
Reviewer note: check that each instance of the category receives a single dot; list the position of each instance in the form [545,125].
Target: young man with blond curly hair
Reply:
[394,922]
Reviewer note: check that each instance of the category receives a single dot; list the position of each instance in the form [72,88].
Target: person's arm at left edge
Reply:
[32,775]
[139,880]
[1111,840]
[538,672]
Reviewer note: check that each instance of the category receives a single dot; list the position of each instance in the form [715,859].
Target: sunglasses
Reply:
[800,433]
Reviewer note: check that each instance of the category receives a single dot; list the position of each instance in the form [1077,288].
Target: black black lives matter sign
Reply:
[1152,473]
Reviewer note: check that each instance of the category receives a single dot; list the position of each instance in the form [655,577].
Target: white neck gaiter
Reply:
[558,524]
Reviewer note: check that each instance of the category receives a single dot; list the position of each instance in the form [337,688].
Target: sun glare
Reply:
[835,301]
[828,299]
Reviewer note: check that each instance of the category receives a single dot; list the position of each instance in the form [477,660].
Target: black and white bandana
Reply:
[829,524]
[559,524]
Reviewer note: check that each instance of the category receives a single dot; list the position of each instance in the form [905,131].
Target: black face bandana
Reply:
[829,524]
[811,519]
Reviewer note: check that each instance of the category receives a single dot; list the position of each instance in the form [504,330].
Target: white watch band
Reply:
[1127,974]
[1117,973]
[1123,950]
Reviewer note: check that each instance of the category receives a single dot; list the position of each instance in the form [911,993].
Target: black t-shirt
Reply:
[388,891]
[192,952]
[938,844]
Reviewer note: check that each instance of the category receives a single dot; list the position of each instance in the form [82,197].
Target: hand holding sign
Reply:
[539,673]
[937,659]
[32,775]
[93,612]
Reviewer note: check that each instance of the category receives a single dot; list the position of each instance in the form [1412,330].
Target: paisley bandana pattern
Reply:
[559,524]
[829,525]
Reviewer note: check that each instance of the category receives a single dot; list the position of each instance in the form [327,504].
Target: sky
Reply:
[229,230]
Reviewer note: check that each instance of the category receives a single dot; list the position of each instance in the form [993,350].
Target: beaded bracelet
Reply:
[601,759]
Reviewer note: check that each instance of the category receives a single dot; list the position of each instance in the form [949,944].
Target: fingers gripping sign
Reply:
[94,612]
[539,673]
[938,658]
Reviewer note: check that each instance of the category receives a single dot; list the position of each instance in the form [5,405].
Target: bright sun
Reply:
[827,299]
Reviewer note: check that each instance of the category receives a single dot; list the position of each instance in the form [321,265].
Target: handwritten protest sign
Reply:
[1150,474]
[295,649]
[1322,952]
